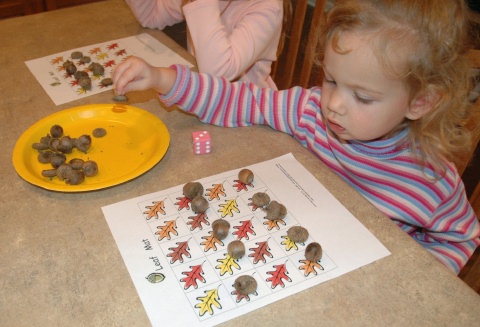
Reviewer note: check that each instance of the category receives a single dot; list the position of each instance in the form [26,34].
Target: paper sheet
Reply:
[184,275]
[63,87]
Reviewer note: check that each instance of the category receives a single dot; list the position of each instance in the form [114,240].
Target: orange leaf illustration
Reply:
[56,60]
[215,192]
[210,242]
[166,230]
[179,251]
[95,50]
[155,209]
[271,224]
[244,229]
[194,275]
[260,252]
[278,275]
[198,220]
[310,267]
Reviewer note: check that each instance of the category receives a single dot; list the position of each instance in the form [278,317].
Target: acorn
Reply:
[74,177]
[220,229]
[49,173]
[106,81]
[119,98]
[90,168]
[297,234]
[83,143]
[79,74]
[313,252]
[276,211]
[199,204]
[245,176]
[65,144]
[99,132]
[76,163]
[85,82]
[63,170]
[236,249]
[192,189]
[85,59]
[57,159]
[44,157]
[71,69]
[76,55]
[40,146]
[260,199]
[56,131]
[245,285]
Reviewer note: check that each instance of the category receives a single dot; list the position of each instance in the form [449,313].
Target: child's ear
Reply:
[422,104]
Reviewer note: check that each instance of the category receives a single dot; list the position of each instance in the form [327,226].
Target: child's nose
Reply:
[336,103]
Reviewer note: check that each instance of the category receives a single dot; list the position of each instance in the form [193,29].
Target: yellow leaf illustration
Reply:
[227,265]
[208,301]
[289,244]
[228,208]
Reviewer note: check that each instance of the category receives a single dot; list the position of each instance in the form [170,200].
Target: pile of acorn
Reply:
[53,149]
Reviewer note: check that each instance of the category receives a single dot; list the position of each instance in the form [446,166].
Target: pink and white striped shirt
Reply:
[435,213]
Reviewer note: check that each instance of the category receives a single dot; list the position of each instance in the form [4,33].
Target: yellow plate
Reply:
[136,141]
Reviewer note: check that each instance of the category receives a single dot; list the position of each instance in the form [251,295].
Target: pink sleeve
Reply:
[157,13]
[228,45]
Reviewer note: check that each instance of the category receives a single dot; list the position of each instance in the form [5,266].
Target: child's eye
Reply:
[363,99]
[327,80]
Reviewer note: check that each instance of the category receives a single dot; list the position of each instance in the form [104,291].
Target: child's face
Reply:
[359,101]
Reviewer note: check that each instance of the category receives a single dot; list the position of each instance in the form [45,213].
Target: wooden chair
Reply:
[471,272]
[13,8]
[294,66]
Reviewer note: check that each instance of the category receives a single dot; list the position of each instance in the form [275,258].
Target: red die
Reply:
[201,142]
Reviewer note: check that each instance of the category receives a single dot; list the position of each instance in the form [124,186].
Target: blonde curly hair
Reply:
[429,39]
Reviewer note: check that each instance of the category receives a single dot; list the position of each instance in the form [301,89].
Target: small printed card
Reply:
[62,85]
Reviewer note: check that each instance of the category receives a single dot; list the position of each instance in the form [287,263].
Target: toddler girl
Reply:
[386,120]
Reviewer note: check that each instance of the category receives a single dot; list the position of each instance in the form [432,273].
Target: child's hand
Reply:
[134,74]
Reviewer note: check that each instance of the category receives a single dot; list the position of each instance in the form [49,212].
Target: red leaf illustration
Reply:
[179,251]
[112,46]
[241,185]
[120,52]
[198,220]
[183,202]
[260,252]
[244,229]
[278,275]
[240,296]
[109,63]
[193,276]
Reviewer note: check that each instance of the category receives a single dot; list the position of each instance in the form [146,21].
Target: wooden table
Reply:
[60,265]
